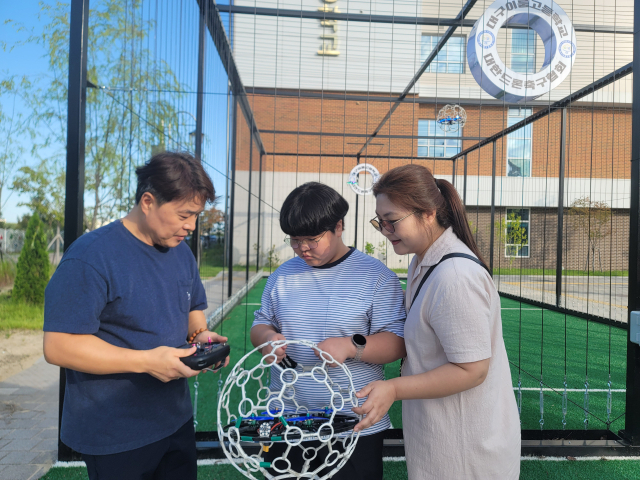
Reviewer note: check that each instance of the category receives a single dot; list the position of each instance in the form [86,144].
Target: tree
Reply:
[45,188]
[211,220]
[594,220]
[14,127]
[127,113]
[32,272]
[512,234]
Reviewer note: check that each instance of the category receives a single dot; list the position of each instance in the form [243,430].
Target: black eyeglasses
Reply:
[294,243]
[379,224]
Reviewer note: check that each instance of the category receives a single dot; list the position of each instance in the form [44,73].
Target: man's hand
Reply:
[279,352]
[381,395]
[164,363]
[340,348]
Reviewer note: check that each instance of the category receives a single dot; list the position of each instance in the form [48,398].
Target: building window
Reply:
[437,147]
[450,59]
[516,233]
[519,144]
[523,51]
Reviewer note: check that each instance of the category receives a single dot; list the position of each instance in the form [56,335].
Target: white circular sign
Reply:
[557,34]
[353,178]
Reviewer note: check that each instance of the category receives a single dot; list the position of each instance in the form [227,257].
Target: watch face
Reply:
[359,340]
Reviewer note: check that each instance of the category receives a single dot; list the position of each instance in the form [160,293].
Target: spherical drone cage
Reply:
[267,421]
[451,118]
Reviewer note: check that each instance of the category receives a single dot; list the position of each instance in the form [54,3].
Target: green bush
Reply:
[32,272]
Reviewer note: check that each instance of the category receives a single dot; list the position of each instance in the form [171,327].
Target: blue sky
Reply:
[24,60]
[29,60]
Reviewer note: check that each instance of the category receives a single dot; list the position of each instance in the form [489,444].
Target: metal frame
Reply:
[398,20]
[195,236]
[632,419]
[441,43]
[76,124]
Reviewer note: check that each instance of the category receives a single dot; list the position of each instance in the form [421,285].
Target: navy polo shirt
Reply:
[132,295]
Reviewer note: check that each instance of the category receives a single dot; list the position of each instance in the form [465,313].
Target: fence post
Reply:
[232,190]
[204,7]
[76,118]
[559,252]
[259,214]
[632,417]
[464,183]
[493,206]
[249,205]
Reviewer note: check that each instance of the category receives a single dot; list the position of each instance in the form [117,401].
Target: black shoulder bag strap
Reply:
[446,257]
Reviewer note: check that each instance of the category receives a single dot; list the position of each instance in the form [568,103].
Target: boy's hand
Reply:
[279,352]
[340,348]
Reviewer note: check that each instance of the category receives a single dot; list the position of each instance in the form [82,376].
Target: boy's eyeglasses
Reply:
[294,243]
[379,224]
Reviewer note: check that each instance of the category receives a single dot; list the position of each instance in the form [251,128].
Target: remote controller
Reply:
[206,354]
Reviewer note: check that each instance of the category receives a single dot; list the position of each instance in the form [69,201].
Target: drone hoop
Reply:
[276,416]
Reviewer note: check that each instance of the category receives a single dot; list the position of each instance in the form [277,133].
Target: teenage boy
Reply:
[347,302]
[121,299]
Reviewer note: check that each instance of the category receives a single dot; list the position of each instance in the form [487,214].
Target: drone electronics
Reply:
[206,354]
[268,412]
[451,118]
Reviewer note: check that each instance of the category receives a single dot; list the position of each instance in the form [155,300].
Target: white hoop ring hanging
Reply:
[353,178]
[553,26]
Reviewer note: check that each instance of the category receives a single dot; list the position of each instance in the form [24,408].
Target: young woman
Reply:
[460,418]
[347,302]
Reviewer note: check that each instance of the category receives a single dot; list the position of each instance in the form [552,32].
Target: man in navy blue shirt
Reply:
[123,297]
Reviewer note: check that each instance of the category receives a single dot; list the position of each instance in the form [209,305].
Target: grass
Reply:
[552,271]
[529,470]
[546,271]
[537,350]
[7,272]
[535,343]
[19,315]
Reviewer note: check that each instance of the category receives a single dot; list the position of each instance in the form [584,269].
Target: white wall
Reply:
[283,52]
[510,192]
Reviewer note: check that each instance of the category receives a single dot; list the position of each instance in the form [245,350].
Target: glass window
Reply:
[437,147]
[523,51]
[519,144]
[450,59]
[517,232]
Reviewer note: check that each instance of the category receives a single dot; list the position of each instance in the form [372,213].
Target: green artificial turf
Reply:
[537,350]
[545,345]
[529,470]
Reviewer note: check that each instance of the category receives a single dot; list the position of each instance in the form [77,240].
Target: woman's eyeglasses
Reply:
[379,224]
[295,243]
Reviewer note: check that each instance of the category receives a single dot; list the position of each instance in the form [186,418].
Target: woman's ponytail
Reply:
[413,187]
[454,215]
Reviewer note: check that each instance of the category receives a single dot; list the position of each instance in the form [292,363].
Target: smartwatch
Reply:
[360,342]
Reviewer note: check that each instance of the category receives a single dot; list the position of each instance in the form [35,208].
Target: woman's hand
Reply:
[381,395]
[340,348]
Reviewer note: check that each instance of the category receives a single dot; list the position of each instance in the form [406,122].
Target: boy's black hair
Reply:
[311,209]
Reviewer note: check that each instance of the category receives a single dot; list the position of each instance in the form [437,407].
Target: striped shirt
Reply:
[355,294]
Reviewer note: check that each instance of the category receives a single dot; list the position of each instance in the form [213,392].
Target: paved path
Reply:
[29,422]
[601,296]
